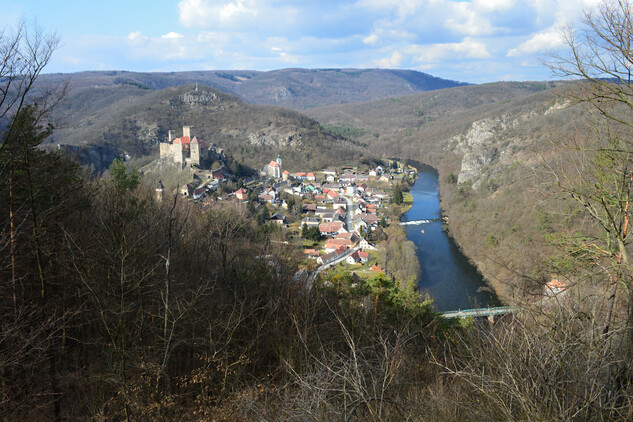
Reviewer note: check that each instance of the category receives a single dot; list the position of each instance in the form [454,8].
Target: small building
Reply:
[160,189]
[340,203]
[353,258]
[332,229]
[278,219]
[199,193]
[331,256]
[241,194]
[366,246]
[309,208]
[311,222]
[312,253]
[555,287]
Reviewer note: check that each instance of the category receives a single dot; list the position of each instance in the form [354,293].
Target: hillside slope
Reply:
[253,134]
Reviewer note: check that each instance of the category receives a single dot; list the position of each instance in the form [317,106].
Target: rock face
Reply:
[275,139]
[480,146]
[97,157]
[492,144]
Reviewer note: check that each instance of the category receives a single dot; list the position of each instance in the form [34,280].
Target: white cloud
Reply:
[494,5]
[170,46]
[172,36]
[371,39]
[469,48]
[391,62]
[232,11]
[539,43]
[136,37]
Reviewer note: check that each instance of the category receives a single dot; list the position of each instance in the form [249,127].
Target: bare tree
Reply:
[24,53]
[597,170]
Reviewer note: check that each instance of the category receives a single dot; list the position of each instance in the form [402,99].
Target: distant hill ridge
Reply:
[298,89]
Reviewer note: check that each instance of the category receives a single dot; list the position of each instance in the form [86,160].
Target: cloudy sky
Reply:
[473,41]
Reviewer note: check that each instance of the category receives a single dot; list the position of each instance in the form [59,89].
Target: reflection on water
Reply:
[446,275]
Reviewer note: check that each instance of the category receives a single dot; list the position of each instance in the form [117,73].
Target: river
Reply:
[446,274]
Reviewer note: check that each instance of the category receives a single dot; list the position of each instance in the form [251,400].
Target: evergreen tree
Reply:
[397,195]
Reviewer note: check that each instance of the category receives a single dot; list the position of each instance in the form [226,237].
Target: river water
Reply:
[446,275]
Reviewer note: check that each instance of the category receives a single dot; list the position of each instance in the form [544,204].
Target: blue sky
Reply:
[474,41]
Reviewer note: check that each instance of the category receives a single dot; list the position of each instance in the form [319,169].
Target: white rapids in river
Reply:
[416,222]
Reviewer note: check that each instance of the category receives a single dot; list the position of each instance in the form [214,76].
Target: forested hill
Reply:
[293,88]
[134,120]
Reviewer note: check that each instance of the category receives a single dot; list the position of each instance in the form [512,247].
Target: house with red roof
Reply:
[241,194]
[331,256]
[353,258]
[331,229]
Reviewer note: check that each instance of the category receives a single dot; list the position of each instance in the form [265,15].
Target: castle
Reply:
[188,151]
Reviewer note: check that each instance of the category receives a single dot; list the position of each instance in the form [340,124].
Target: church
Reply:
[273,169]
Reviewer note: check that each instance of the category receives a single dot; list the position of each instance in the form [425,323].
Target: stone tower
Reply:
[279,161]
[195,151]
[177,151]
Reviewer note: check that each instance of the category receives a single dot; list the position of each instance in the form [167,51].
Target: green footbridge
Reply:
[480,312]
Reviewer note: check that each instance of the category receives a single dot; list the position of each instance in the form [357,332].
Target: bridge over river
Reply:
[480,312]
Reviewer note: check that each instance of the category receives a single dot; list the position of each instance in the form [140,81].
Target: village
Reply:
[333,214]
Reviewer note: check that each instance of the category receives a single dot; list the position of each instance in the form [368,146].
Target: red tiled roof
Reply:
[182,140]
[336,243]
[273,164]
[330,227]
[285,172]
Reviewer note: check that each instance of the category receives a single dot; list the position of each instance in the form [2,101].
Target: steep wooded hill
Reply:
[293,88]
[253,134]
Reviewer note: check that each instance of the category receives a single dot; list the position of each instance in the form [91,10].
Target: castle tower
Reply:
[177,151]
[186,131]
[279,161]
[195,152]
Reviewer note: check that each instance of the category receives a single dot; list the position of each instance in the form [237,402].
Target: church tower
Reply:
[279,162]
